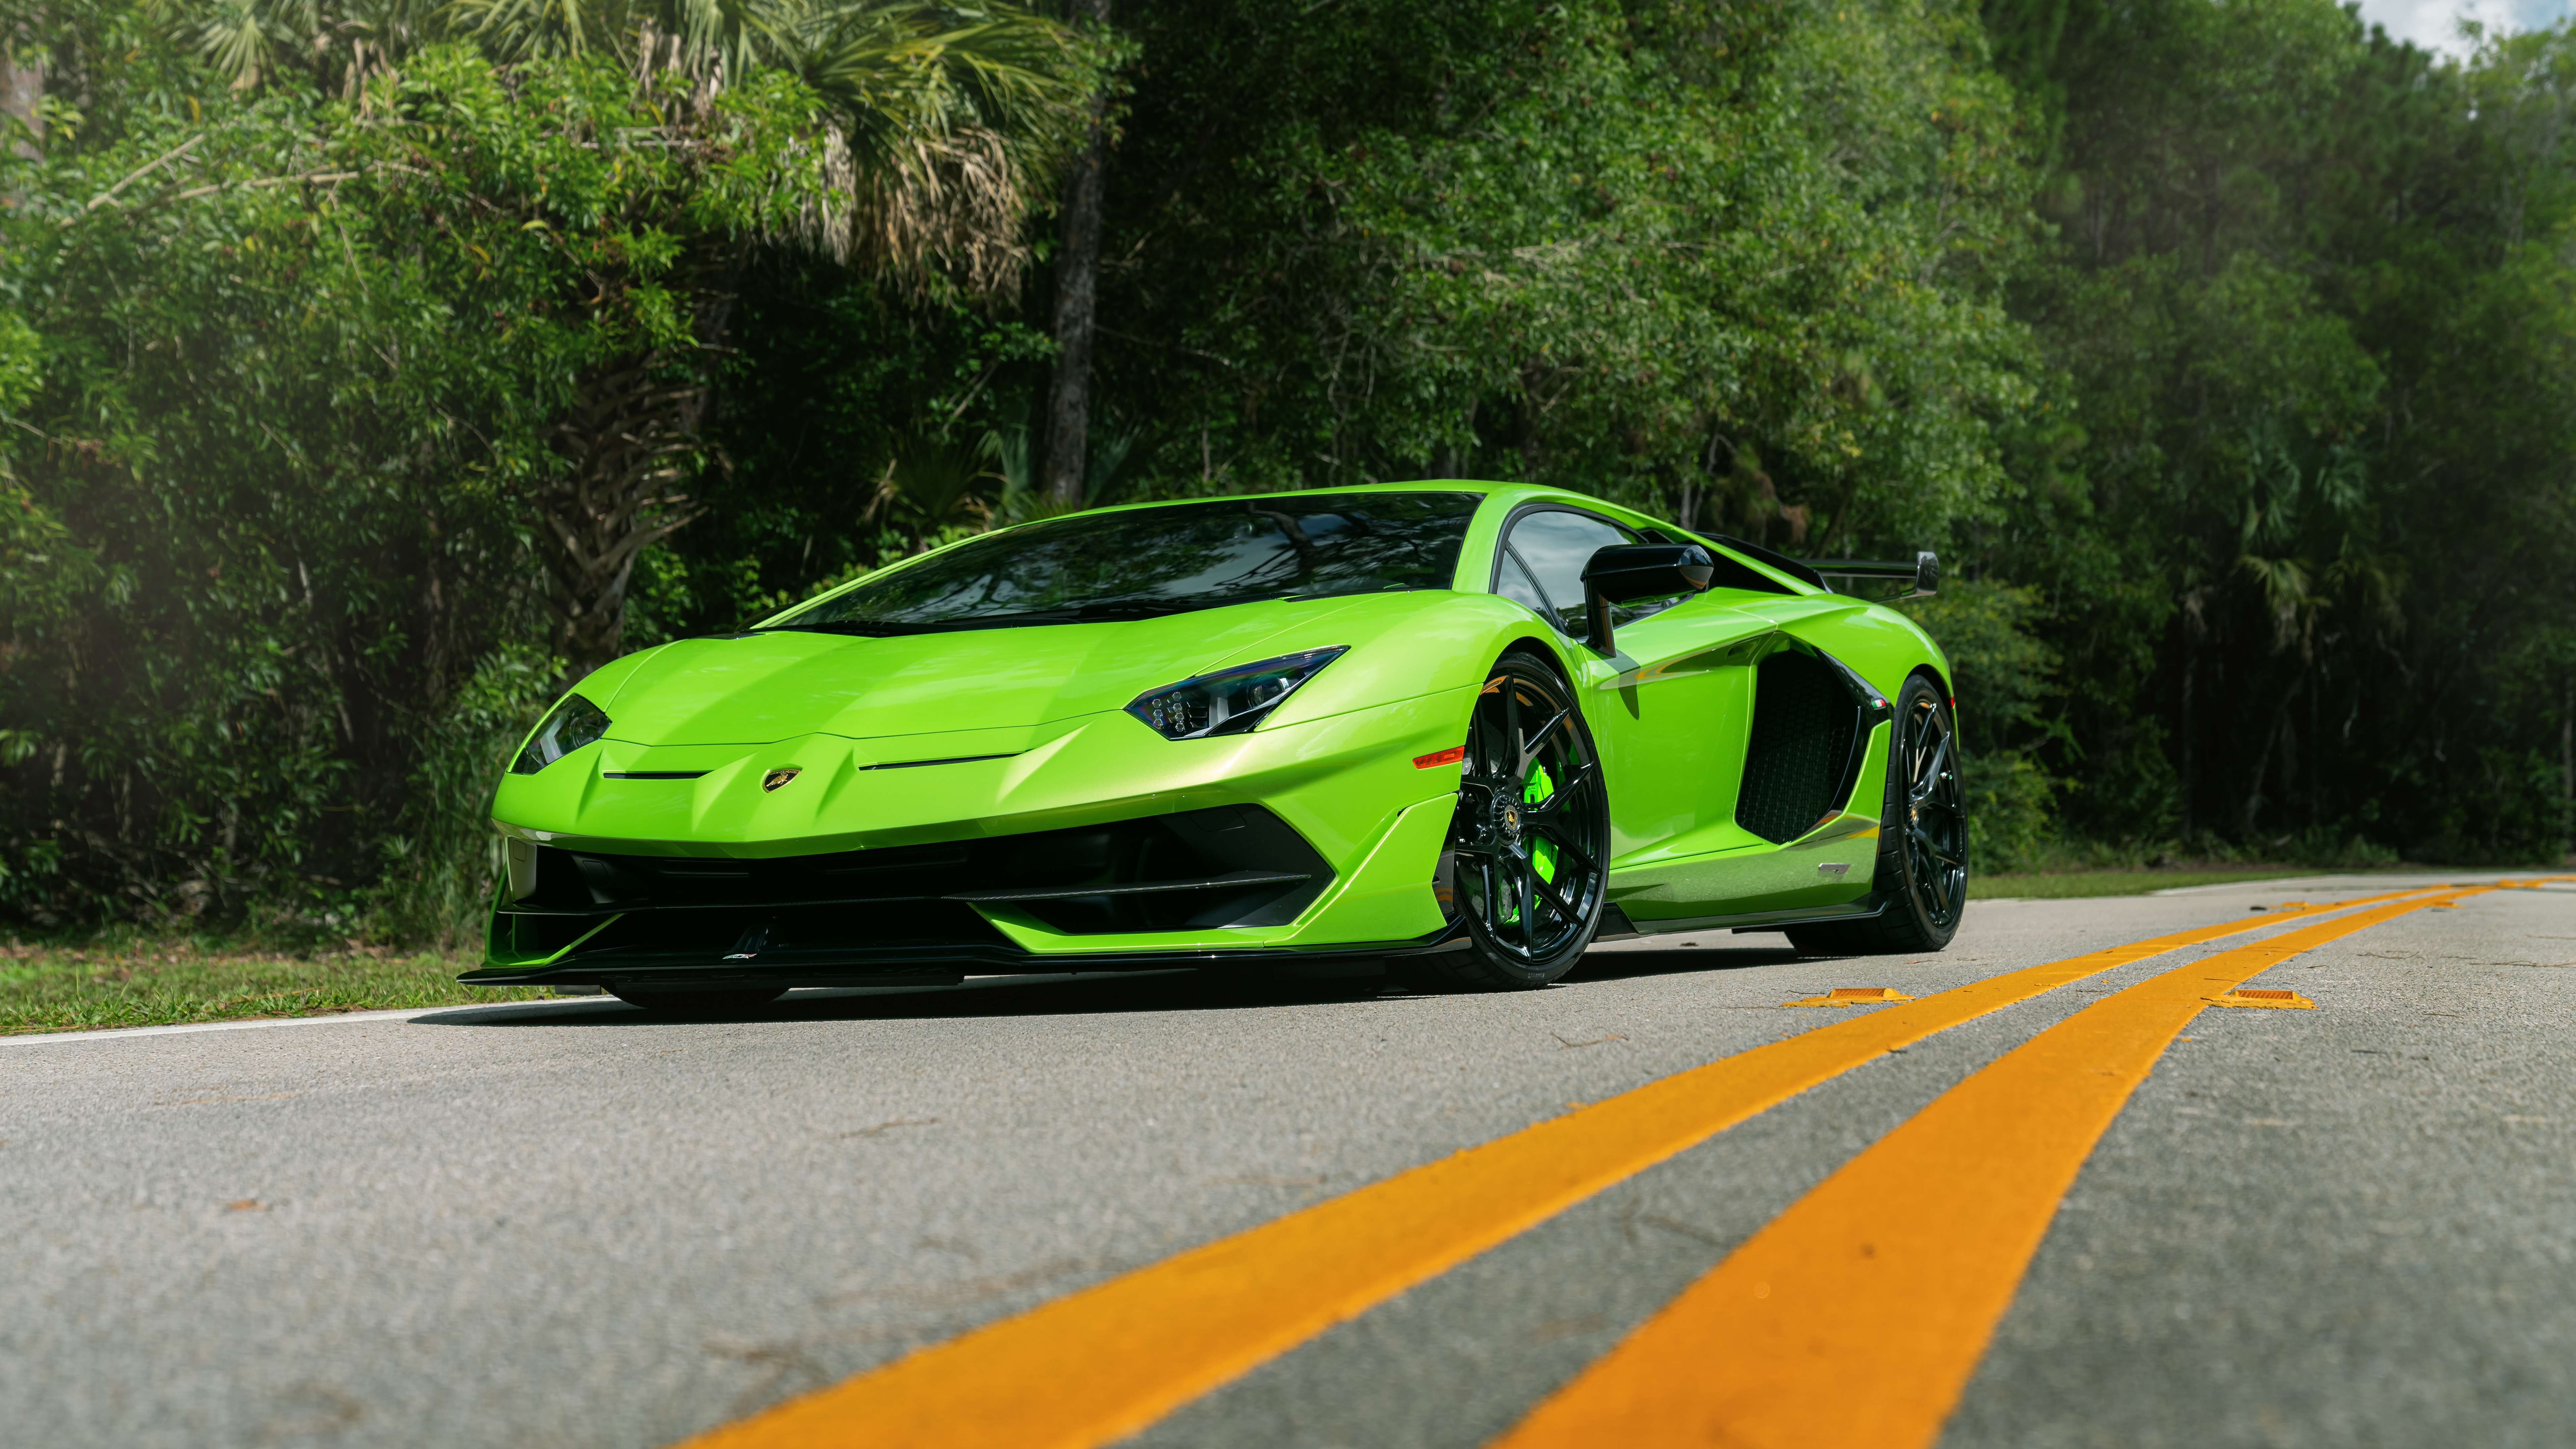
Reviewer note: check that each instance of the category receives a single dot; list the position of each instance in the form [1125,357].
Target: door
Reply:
[1667,710]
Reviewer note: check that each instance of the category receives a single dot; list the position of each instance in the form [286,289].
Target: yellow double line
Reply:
[1856,1317]
[1102,1363]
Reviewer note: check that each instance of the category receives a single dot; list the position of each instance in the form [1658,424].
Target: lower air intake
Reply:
[1798,763]
[1228,866]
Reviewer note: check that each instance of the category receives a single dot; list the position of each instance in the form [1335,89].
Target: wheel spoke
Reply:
[1564,911]
[1529,747]
[1564,839]
[1929,777]
[1936,852]
[1581,776]
[1529,911]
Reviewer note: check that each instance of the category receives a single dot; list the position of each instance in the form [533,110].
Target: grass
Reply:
[2061,885]
[162,982]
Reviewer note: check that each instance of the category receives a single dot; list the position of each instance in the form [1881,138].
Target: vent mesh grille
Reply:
[1803,722]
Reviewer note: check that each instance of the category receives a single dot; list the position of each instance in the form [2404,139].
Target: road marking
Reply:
[2247,996]
[407,1013]
[1853,1320]
[1099,1364]
[1853,996]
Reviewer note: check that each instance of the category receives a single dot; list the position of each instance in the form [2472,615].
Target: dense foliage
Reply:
[363,370]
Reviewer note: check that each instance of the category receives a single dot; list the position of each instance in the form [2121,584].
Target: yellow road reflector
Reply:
[1852,996]
[1102,1363]
[2251,996]
[1853,1320]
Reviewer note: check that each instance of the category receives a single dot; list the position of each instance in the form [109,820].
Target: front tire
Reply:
[1525,866]
[1923,841]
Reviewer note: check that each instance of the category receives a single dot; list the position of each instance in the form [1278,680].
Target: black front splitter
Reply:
[934,966]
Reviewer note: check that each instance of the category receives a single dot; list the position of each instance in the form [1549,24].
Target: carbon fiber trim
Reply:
[923,965]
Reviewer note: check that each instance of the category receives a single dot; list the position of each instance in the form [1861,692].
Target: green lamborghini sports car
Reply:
[1448,732]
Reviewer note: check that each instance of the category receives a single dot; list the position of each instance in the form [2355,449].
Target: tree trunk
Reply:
[2190,771]
[2317,757]
[631,439]
[2274,734]
[1077,290]
[20,89]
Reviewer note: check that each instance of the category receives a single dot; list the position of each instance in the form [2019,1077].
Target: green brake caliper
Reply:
[1542,851]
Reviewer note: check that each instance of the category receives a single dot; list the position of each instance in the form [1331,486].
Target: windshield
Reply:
[1151,561]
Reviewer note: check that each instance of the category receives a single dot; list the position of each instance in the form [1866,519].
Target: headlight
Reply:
[572,724]
[1229,701]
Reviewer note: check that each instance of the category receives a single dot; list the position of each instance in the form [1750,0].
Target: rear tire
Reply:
[1525,862]
[1922,845]
[702,1003]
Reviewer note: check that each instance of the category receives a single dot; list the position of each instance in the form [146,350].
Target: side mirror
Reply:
[1627,571]
[1927,572]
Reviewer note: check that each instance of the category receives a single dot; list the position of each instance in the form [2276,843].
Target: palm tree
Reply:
[946,123]
[1077,295]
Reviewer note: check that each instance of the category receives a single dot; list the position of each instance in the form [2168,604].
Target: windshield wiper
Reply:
[867,628]
[893,628]
[1151,608]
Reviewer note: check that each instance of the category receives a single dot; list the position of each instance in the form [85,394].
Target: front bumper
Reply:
[1089,849]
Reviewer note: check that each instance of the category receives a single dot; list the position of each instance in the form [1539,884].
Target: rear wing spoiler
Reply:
[1923,574]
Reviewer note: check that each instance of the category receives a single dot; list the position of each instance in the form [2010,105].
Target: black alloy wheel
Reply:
[701,1003]
[1525,868]
[1922,876]
[1936,815]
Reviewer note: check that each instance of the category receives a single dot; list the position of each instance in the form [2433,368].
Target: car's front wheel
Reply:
[1525,867]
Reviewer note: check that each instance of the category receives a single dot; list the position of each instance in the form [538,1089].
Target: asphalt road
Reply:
[571,1224]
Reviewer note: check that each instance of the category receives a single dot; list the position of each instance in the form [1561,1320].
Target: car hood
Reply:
[780,684]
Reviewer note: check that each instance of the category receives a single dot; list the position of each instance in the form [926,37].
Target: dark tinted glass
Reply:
[1555,546]
[1513,583]
[1186,555]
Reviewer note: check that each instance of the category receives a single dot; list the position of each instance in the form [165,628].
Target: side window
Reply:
[1513,582]
[1553,547]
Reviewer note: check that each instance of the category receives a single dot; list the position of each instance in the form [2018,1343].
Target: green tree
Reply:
[2293,497]
[937,128]
[400,325]
[1740,261]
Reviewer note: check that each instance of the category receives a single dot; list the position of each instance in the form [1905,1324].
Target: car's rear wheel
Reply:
[701,1003]
[1525,866]
[1923,841]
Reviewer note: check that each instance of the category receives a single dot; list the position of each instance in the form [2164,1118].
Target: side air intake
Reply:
[1804,757]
